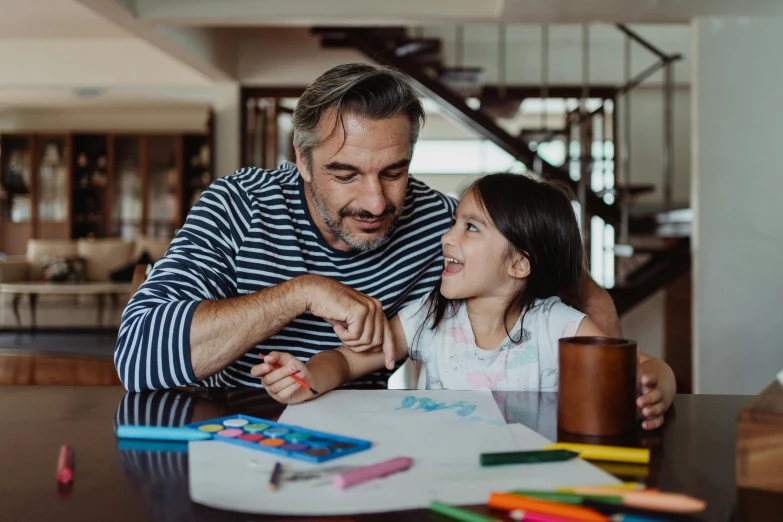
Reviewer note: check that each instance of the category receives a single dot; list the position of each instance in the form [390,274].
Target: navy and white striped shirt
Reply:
[250,231]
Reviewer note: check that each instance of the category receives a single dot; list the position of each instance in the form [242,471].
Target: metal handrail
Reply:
[636,80]
[641,41]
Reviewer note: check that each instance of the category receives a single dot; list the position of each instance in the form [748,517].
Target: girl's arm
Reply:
[658,388]
[658,385]
[324,371]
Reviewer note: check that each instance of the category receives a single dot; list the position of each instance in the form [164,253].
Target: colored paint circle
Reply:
[251,437]
[275,432]
[235,423]
[317,452]
[318,443]
[296,437]
[256,428]
[211,428]
[272,443]
[230,433]
[342,445]
[294,447]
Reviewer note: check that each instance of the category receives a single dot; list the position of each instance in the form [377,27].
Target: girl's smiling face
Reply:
[479,261]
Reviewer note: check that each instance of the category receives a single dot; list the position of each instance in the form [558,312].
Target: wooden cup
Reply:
[597,386]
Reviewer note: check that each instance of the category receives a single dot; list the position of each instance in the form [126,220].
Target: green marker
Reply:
[526,457]
[568,498]
[458,513]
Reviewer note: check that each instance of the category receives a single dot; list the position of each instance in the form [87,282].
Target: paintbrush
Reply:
[274,478]
[295,378]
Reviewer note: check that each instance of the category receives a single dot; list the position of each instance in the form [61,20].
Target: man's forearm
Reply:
[599,307]
[223,330]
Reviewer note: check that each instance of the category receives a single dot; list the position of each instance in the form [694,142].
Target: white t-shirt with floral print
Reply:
[452,361]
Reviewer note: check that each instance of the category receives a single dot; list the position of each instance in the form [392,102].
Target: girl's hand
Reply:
[650,403]
[278,382]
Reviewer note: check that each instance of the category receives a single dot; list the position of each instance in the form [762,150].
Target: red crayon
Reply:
[65,465]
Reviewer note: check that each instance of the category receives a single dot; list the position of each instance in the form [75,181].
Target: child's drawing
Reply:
[463,409]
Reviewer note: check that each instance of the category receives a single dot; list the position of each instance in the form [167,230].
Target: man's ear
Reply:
[302,166]
[519,268]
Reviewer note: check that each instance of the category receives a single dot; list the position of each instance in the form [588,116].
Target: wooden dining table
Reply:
[693,453]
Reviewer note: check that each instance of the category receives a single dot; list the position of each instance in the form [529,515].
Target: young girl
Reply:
[508,293]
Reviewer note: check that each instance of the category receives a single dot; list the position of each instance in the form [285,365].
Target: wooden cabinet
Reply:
[89,190]
[72,185]
[16,176]
[126,191]
[52,186]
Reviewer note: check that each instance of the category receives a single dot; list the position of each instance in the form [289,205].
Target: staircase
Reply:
[649,258]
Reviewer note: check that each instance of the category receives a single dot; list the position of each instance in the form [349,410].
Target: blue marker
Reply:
[161,433]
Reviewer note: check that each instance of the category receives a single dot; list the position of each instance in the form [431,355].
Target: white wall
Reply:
[646,324]
[738,245]
[90,62]
[287,57]
[227,129]
[143,118]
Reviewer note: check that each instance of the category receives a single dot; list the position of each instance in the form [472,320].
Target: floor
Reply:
[89,343]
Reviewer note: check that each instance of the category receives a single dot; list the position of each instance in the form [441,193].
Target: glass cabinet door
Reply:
[53,179]
[126,215]
[90,167]
[162,185]
[15,174]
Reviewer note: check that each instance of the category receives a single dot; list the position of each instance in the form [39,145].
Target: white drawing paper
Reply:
[443,431]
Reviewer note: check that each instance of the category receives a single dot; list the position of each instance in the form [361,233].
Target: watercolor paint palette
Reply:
[281,439]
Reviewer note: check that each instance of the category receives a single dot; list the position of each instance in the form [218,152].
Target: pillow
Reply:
[124,274]
[104,255]
[64,268]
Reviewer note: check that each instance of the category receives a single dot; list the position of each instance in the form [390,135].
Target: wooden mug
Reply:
[597,386]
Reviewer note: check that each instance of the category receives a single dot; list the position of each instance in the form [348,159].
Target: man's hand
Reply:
[278,382]
[650,404]
[357,319]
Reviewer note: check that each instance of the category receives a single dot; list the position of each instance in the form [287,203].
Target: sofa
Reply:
[103,257]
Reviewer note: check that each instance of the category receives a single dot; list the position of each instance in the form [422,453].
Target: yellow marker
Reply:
[625,486]
[610,453]
[622,469]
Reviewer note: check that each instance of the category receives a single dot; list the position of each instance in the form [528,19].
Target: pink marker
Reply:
[382,469]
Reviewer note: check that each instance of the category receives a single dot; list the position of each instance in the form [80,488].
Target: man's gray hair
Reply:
[368,91]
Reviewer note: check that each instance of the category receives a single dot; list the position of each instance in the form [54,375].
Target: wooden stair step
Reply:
[630,190]
[421,50]
[649,243]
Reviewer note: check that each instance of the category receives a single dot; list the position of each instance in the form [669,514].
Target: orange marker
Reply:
[508,502]
[652,500]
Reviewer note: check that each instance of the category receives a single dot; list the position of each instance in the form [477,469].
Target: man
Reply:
[305,257]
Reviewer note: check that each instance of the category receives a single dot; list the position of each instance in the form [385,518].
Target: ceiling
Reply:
[53,19]
[162,50]
[373,12]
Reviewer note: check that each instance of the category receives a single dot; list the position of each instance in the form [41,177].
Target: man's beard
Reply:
[344,234]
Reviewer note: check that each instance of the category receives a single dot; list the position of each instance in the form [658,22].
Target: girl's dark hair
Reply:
[538,220]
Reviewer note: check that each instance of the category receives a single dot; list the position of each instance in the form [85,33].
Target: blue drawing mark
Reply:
[407,402]
[463,408]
